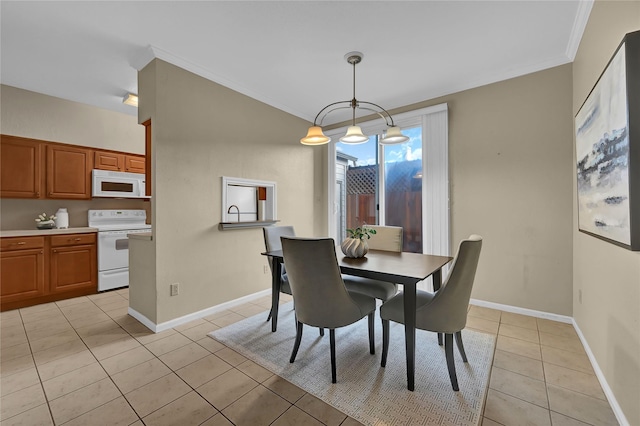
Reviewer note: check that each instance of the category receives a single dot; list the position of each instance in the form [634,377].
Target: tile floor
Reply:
[84,361]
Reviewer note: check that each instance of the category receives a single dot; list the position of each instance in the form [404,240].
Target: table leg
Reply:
[437,282]
[410,331]
[276,272]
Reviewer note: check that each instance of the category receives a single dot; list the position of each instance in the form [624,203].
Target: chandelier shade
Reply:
[354,134]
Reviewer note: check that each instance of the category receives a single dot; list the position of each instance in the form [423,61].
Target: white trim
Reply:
[272,196]
[522,311]
[157,328]
[579,24]
[601,378]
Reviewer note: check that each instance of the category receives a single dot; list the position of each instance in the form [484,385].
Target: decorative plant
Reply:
[361,232]
[44,218]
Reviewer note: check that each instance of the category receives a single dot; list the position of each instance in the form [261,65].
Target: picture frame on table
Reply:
[607,135]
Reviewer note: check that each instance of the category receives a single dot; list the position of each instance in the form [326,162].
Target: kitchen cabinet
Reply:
[21,167]
[69,172]
[40,269]
[134,163]
[119,162]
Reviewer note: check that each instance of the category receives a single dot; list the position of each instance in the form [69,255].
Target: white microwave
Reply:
[118,184]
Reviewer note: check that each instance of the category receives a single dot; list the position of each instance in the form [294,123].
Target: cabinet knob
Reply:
[76,239]
[55,251]
[37,194]
[21,243]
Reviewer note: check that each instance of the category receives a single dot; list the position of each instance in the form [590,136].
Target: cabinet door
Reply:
[22,273]
[73,268]
[21,168]
[69,172]
[108,161]
[134,163]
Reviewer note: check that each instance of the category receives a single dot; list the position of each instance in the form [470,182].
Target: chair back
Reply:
[387,238]
[272,236]
[319,294]
[447,311]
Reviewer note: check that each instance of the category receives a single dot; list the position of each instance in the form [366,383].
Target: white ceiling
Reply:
[288,54]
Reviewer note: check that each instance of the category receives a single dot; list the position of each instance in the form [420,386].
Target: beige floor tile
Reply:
[200,331]
[482,324]
[190,324]
[519,347]
[38,416]
[105,337]
[231,356]
[140,375]
[558,419]
[320,410]
[54,340]
[97,328]
[255,371]
[64,365]
[220,314]
[126,360]
[138,330]
[83,400]
[519,386]
[581,407]
[47,330]
[351,422]
[518,364]
[259,407]
[562,342]
[18,381]
[508,410]
[284,388]
[92,318]
[38,308]
[108,301]
[184,356]
[168,344]
[96,298]
[115,347]
[121,305]
[73,380]
[15,365]
[21,401]
[14,313]
[48,315]
[11,336]
[228,319]
[484,313]
[226,388]
[200,372]
[210,344]
[518,320]
[521,333]
[249,310]
[153,396]
[557,328]
[117,312]
[73,301]
[58,352]
[573,360]
[585,383]
[114,413]
[15,351]
[217,420]
[296,417]
[190,409]
[488,422]
[80,310]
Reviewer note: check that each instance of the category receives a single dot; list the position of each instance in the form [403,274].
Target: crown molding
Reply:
[579,24]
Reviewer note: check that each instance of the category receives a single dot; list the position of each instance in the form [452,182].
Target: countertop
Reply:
[45,232]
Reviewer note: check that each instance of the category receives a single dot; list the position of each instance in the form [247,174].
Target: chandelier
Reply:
[354,134]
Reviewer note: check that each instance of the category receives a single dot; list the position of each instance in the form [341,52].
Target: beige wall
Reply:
[33,115]
[608,276]
[202,131]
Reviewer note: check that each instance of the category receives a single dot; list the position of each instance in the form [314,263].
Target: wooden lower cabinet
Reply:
[43,269]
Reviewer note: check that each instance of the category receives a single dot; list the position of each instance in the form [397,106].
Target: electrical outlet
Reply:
[175,289]
[265,269]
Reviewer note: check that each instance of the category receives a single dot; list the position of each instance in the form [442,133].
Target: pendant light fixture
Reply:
[354,134]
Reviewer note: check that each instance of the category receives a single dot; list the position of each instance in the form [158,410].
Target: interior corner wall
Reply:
[608,276]
[202,131]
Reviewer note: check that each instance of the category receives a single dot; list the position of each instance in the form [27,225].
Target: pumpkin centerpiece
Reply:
[355,245]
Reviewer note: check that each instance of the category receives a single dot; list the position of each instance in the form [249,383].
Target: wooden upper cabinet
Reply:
[134,163]
[104,160]
[21,167]
[69,172]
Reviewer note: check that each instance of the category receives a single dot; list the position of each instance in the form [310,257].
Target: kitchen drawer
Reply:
[21,243]
[72,239]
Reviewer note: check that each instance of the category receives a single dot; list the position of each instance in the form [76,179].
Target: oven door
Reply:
[113,250]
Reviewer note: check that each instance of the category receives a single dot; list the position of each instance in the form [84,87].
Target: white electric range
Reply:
[113,244]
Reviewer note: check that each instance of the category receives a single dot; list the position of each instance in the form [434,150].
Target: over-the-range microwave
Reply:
[118,184]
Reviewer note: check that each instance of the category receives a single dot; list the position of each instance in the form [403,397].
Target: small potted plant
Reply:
[45,222]
[355,245]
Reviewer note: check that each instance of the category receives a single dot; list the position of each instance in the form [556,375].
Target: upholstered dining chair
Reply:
[387,238]
[272,236]
[444,311]
[319,294]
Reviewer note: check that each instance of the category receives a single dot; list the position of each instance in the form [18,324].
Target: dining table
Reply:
[407,269]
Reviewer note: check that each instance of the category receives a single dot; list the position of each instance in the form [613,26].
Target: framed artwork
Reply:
[607,130]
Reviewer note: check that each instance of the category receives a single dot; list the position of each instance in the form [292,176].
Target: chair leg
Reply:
[385,342]
[296,345]
[269,317]
[440,339]
[451,365]
[460,346]
[321,331]
[332,343]
[372,346]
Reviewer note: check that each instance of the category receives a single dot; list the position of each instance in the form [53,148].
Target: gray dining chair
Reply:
[388,238]
[272,236]
[444,311]
[319,294]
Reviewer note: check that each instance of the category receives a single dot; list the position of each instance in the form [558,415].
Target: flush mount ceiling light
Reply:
[131,99]
[354,134]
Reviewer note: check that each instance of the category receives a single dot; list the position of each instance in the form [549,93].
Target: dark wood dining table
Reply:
[403,268]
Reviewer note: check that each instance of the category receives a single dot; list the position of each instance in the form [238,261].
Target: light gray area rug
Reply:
[365,391]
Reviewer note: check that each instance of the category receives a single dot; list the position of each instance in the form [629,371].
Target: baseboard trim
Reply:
[523,311]
[157,328]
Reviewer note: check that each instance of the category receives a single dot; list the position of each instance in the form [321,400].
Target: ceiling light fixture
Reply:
[354,134]
[131,99]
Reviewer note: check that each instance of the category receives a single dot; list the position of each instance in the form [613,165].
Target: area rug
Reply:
[365,391]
